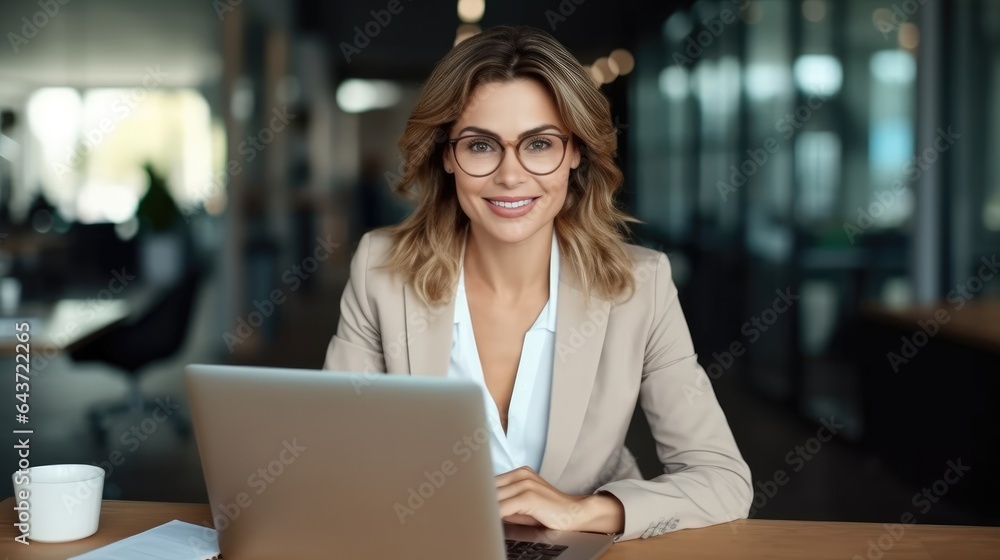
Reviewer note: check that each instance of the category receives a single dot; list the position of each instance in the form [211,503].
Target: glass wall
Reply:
[777,150]
[973,181]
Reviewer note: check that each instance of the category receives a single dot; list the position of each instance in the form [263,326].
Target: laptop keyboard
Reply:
[527,550]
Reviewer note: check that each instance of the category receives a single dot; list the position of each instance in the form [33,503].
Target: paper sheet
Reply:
[176,540]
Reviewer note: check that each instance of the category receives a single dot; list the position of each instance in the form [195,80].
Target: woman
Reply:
[512,271]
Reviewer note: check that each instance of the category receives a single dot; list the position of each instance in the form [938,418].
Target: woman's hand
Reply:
[528,499]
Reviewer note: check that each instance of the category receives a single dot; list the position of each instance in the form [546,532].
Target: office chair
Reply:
[157,334]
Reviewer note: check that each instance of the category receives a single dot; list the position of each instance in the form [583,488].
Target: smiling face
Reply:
[511,204]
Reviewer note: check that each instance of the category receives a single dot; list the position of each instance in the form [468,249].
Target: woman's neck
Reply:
[508,270]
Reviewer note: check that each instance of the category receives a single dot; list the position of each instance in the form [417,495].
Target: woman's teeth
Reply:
[517,204]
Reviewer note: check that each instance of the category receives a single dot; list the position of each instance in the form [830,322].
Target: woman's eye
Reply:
[479,146]
[539,145]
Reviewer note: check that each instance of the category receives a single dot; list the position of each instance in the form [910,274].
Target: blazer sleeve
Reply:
[357,346]
[706,480]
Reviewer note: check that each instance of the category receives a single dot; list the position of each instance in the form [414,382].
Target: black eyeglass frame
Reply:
[517,151]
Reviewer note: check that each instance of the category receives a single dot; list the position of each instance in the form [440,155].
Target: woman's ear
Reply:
[577,155]
[446,160]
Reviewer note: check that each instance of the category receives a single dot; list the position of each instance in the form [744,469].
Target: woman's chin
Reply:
[511,230]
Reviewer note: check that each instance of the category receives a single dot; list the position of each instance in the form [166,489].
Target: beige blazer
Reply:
[607,358]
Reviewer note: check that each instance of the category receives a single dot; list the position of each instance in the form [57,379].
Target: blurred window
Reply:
[91,148]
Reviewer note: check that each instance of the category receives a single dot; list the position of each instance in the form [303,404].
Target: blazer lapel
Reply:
[579,342]
[428,334]
[429,330]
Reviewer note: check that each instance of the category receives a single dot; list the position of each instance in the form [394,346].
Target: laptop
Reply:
[304,464]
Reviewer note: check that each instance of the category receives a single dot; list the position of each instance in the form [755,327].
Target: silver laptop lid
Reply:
[300,463]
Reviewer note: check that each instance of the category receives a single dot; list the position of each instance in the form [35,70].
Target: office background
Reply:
[185,182]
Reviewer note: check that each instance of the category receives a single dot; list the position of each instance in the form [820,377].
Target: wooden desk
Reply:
[976,324]
[771,540]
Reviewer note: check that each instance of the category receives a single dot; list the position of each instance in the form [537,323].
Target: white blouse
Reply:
[528,416]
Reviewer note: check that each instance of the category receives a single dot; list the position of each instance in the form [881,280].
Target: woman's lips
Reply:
[520,207]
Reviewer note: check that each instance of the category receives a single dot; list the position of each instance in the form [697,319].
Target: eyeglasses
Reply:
[539,154]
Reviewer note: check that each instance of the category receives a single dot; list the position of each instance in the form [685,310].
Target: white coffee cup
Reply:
[58,503]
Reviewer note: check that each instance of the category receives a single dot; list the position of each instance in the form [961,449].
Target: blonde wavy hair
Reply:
[591,230]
